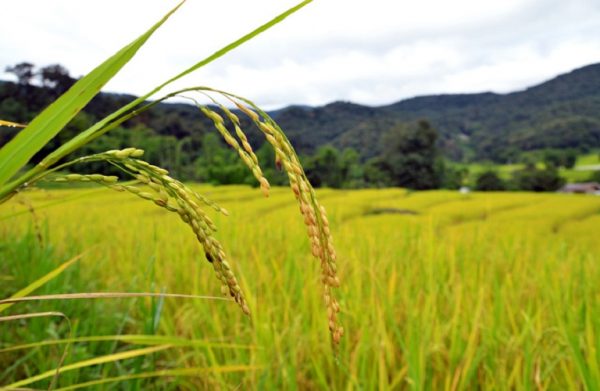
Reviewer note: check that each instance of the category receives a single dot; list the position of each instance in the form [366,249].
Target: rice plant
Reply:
[477,292]
[149,182]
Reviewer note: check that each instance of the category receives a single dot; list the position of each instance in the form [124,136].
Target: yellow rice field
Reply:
[440,290]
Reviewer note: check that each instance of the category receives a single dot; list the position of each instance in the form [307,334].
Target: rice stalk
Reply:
[37,229]
[134,339]
[190,372]
[64,105]
[31,315]
[86,363]
[11,124]
[105,295]
[245,151]
[315,215]
[171,195]
[174,196]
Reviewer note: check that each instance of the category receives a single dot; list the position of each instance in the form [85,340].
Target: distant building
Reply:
[581,188]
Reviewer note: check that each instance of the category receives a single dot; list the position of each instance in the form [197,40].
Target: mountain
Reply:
[561,113]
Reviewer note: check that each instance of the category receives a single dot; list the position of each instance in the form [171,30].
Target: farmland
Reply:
[440,290]
[583,170]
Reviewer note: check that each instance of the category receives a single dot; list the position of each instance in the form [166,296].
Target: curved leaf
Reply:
[53,119]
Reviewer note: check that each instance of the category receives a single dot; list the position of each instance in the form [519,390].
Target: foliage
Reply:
[561,114]
[23,71]
[409,157]
[452,176]
[56,77]
[489,181]
[157,186]
[532,178]
[332,168]
[560,158]
[595,177]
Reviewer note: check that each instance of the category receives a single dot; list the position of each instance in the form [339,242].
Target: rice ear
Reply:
[315,215]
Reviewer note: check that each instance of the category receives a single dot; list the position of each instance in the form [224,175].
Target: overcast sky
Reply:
[371,52]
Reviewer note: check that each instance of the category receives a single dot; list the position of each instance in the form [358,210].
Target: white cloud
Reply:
[372,52]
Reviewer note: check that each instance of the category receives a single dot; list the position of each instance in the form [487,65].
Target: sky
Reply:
[372,52]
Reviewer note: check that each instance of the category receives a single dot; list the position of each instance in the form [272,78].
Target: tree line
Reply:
[176,137]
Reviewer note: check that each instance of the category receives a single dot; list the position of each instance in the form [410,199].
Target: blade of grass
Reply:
[17,152]
[133,339]
[195,372]
[32,315]
[96,131]
[88,363]
[106,295]
[4,304]
[107,123]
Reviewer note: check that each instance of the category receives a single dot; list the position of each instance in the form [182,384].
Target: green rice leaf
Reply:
[40,282]
[88,363]
[134,340]
[192,372]
[53,119]
[125,112]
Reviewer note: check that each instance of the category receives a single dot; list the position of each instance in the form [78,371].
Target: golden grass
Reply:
[483,291]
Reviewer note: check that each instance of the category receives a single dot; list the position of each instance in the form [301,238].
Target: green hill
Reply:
[561,113]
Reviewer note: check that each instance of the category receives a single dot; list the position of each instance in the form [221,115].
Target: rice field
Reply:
[440,290]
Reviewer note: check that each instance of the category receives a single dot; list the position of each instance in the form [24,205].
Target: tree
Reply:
[352,170]
[595,177]
[451,176]
[409,156]
[377,173]
[56,77]
[325,168]
[552,158]
[533,179]
[560,158]
[489,181]
[23,71]
[569,158]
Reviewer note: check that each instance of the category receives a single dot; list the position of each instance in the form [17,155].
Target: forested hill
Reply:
[561,113]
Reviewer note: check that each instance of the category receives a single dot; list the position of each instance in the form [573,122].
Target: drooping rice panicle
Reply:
[315,216]
[172,195]
[245,152]
[176,197]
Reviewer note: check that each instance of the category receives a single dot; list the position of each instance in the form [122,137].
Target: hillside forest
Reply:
[425,142]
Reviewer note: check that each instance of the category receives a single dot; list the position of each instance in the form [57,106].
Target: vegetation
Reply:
[430,302]
[595,177]
[408,158]
[157,185]
[560,116]
[477,291]
[532,178]
[489,181]
[187,146]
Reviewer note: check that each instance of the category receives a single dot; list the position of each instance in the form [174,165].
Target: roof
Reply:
[588,187]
